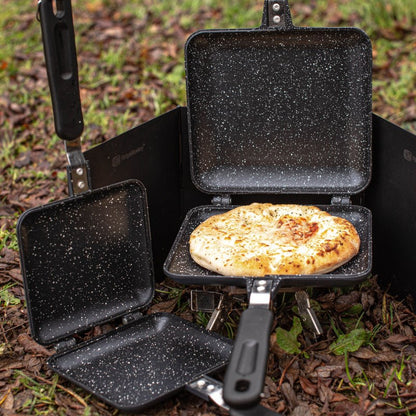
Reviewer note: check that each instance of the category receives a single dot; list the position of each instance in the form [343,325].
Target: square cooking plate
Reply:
[280,111]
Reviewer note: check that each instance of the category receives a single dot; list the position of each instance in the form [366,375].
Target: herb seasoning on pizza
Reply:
[262,239]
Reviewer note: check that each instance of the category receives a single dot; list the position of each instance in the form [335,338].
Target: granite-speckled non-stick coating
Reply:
[280,111]
[86,260]
[145,361]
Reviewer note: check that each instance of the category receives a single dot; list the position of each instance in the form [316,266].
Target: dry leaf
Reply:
[32,346]
[308,387]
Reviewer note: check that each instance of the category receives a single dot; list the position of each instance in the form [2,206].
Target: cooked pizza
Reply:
[263,239]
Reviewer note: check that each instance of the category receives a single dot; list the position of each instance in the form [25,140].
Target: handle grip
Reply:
[244,378]
[61,63]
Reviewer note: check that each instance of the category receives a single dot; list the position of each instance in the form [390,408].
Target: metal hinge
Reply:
[65,344]
[131,317]
[340,200]
[221,200]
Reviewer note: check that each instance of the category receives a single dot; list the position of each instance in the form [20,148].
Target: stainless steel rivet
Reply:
[211,387]
[81,184]
[262,282]
[261,289]
[276,7]
[276,19]
[79,171]
[200,383]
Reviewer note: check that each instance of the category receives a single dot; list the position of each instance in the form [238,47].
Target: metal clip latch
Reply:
[212,302]
[218,316]
[307,313]
[131,317]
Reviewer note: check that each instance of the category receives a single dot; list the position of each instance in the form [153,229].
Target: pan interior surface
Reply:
[181,267]
[284,111]
[86,260]
[149,359]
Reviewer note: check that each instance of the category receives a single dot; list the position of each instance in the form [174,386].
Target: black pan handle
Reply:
[62,68]
[244,378]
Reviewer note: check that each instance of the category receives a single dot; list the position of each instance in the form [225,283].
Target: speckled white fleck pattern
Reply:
[86,260]
[280,111]
[143,362]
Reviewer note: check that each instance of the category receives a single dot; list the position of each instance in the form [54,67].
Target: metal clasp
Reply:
[221,200]
[211,302]
[65,344]
[340,200]
[307,313]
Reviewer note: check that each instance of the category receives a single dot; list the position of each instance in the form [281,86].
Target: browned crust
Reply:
[308,241]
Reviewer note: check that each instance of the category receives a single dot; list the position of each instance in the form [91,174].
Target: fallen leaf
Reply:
[308,387]
[166,306]
[399,340]
[326,371]
[325,393]
[31,346]
[345,302]
[375,357]
[289,394]
[301,410]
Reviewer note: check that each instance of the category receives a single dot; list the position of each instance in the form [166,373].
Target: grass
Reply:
[7,298]
[42,400]
[378,14]
[373,16]
[8,238]
[13,39]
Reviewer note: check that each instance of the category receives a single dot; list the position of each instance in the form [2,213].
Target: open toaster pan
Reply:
[82,269]
[277,110]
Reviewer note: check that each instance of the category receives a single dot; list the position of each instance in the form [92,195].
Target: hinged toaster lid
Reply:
[84,268]
[280,109]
